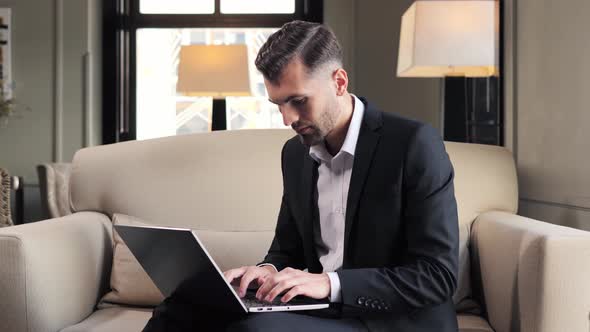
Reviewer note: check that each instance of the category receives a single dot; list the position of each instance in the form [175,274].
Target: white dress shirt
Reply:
[333,182]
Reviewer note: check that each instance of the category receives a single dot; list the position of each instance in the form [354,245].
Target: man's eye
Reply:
[299,102]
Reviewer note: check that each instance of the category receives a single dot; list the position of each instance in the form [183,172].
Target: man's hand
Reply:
[297,282]
[248,274]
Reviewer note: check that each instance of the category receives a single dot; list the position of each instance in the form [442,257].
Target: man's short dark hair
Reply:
[313,43]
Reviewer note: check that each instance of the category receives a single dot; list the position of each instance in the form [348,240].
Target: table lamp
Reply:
[456,38]
[216,71]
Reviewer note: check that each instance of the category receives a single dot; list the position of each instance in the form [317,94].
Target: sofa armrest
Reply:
[53,272]
[535,276]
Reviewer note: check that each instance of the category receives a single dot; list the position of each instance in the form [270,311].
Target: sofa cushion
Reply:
[485,179]
[113,319]
[463,298]
[473,323]
[130,284]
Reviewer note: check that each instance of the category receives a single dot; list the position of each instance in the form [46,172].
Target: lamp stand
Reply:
[219,116]
[455,115]
[470,111]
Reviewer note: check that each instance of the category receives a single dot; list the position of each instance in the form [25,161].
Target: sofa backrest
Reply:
[485,179]
[227,185]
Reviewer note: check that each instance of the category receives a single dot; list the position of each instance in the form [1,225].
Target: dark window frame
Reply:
[502,72]
[121,19]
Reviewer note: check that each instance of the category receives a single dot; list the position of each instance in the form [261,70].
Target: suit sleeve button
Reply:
[360,300]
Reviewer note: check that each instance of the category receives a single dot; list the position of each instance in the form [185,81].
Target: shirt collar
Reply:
[318,152]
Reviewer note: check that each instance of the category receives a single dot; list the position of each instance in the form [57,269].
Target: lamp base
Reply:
[219,116]
[472,113]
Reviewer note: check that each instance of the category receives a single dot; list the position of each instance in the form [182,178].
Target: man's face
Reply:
[308,102]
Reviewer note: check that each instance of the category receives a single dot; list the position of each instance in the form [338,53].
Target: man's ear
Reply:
[340,78]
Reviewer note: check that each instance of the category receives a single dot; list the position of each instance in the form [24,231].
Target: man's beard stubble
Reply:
[319,132]
[311,139]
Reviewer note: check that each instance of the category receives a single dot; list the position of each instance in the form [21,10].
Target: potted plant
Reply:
[8,108]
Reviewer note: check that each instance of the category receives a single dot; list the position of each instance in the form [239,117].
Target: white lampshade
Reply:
[449,38]
[213,70]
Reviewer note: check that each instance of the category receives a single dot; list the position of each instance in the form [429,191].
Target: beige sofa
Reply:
[534,277]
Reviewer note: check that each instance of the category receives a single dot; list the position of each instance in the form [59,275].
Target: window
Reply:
[257,7]
[143,41]
[162,111]
[177,6]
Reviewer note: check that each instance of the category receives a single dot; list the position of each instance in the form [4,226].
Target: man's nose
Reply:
[289,115]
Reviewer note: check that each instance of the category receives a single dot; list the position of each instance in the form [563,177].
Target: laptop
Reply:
[175,259]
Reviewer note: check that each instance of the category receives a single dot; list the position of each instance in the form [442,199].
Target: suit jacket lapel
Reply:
[365,147]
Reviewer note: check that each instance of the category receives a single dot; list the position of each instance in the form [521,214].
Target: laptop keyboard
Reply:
[250,300]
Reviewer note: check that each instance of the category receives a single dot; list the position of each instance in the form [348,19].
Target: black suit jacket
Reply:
[401,233]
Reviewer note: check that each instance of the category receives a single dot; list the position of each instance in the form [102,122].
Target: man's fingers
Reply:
[232,274]
[294,282]
[251,274]
[283,286]
[246,280]
[297,290]
[271,282]
[262,279]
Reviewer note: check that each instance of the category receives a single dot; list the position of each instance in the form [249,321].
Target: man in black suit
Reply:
[368,216]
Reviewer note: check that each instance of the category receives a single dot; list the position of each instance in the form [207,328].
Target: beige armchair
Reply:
[529,276]
[11,199]
[5,188]
[53,185]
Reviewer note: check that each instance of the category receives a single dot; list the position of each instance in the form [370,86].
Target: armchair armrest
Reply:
[535,276]
[53,272]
